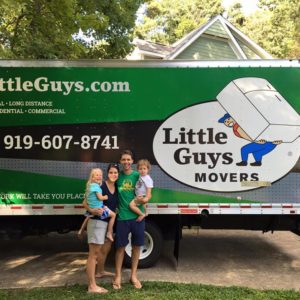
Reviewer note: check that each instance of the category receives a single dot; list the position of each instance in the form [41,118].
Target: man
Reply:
[126,222]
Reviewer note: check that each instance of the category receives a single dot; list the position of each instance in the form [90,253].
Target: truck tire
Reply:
[151,251]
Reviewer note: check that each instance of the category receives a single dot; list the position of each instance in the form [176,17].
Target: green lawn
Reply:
[152,290]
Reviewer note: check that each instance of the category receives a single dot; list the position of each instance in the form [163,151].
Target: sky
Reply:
[249,6]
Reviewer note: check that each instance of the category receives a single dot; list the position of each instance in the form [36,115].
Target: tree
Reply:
[235,15]
[295,51]
[276,27]
[166,21]
[49,28]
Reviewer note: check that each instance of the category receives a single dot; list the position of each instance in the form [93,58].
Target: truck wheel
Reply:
[151,251]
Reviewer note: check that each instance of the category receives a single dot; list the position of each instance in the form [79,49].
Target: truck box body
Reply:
[251,99]
[60,119]
[222,138]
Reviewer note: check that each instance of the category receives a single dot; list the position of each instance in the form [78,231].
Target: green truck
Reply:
[222,138]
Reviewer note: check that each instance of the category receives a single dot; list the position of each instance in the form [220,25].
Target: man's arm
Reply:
[244,135]
[144,200]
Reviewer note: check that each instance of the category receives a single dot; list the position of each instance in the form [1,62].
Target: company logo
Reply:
[246,139]
[127,185]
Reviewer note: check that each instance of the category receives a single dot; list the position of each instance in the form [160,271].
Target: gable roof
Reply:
[215,32]
[219,27]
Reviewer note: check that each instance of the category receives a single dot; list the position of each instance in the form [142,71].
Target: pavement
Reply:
[217,257]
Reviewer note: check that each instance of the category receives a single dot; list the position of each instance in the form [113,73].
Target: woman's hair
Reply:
[112,166]
[88,183]
[143,162]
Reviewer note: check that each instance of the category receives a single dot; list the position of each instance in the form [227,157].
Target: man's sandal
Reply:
[116,285]
[136,283]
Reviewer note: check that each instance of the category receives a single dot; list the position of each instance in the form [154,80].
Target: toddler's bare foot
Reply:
[104,274]
[80,234]
[110,236]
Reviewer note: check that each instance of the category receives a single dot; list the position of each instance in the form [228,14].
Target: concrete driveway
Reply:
[218,257]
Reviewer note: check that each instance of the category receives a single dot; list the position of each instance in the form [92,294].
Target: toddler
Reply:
[95,199]
[143,189]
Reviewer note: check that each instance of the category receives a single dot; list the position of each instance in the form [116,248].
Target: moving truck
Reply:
[222,138]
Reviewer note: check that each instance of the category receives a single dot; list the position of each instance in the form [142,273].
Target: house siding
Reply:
[208,49]
[217,29]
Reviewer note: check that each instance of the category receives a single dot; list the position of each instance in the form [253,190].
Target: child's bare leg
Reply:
[82,228]
[110,226]
[135,209]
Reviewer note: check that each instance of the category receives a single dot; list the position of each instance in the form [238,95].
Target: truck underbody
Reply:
[158,228]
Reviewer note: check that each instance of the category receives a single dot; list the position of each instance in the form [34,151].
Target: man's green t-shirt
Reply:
[126,186]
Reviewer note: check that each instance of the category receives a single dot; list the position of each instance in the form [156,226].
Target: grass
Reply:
[152,290]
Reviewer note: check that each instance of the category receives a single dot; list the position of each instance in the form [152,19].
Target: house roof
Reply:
[215,31]
[153,48]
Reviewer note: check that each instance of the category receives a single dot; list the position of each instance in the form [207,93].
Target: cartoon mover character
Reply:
[258,148]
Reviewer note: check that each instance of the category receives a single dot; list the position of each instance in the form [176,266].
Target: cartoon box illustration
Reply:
[260,110]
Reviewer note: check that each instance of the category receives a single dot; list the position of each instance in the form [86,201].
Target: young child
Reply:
[143,189]
[95,199]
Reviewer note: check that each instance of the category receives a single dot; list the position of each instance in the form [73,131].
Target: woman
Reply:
[98,251]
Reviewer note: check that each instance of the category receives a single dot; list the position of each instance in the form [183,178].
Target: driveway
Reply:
[218,257]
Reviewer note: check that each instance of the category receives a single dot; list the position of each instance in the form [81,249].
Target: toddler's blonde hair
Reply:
[143,162]
[88,184]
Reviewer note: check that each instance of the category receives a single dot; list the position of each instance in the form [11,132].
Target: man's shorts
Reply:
[96,231]
[123,228]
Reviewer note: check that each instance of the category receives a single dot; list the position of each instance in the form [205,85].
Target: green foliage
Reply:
[166,21]
[236,15]
[152,290]
[275,27]
[46,29]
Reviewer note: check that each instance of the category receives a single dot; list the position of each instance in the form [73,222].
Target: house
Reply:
[218,39]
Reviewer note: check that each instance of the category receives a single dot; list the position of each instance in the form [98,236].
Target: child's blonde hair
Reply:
[88,183]
[143,162]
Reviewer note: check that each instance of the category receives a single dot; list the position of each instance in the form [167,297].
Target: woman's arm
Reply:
[93,211]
